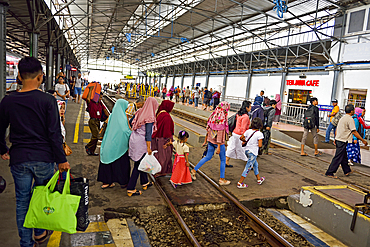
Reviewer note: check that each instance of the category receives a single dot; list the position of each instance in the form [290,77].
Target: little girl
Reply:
[180,171]
[252,140]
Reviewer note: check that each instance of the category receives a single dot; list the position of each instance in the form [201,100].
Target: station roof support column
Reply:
[335,84]
[282,85]
[173,80]
[207,80]
[182,82]
[193,82]
[165,83]
[34,44]
[3,10]
[248,89]
[224,85]
[49,68]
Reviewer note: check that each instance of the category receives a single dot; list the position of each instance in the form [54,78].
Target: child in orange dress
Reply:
[180,171]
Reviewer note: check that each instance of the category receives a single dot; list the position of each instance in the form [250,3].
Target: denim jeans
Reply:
[24,175]
[252,161]
[210,152]
[196,102]
[328,130]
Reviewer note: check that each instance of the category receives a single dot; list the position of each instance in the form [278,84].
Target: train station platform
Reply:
[283,178]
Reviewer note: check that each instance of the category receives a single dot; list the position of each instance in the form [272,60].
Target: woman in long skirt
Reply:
[235,149]
[277,108]
[114,161]
[164,134]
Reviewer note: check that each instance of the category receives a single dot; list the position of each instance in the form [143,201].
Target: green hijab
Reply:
[117,134]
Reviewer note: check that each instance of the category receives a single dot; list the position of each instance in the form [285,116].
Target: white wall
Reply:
[169,81]
[215,82]
[178,81]
[269,84]
[201,80]
[236,86]
[105,76]
[187,81]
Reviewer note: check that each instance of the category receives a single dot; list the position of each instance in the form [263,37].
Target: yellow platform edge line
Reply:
[87,129]
[105,245]
[86,140]
[314,190]
[54,240]
[77,127]
[96,227]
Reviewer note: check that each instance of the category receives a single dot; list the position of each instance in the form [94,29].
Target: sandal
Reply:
[224,182]
[105,186]
[318,154]
[229,166]
[44,238]
[331,176]
[136,193]
[241,185]
[305,154]
[347,174]
[261,180]
[150,184]
[192,174]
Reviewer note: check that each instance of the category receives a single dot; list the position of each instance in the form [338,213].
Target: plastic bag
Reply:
[150,164]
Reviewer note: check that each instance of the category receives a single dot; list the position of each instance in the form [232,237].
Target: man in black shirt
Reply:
[36,140]
[312,113]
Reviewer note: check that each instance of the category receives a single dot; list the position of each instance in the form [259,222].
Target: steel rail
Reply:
[273,238]
[176,214]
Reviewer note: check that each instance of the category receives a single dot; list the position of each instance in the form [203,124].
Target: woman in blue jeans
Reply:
[252,140]
[217,129]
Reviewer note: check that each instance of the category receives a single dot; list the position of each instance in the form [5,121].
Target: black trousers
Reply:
[135,175]
[340,158]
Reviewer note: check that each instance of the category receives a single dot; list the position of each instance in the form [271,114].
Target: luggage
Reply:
[78,187]
[53,210]
[92,92]
[309,118]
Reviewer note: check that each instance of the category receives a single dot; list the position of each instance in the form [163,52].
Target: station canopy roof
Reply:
[150,34]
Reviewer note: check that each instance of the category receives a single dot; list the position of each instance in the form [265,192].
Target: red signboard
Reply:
[73,69]
[309,83]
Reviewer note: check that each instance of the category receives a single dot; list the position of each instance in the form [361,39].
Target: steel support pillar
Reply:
[64,65]
[182,82]
[146,79]
[224,84]
[193,82]
[248,89]
[57,64]
[173,81]
[335,84]
[3,10]
[159,83]
[282,85]
[34,44]
[49,68]
[165,83]
[207,80]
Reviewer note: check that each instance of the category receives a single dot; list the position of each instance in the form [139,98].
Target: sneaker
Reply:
[350,162]
[224,182]
[241,185]
[261,180]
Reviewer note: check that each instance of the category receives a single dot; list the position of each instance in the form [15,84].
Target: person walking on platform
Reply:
[134,106]
[353,148]
[164,92]
[207,95]
[181,173]
[252,140]
[78,88]
[171,92]
[331,127]
[257,110]
[311,123]
[143,125]
[187,95]
[96,110]
[62,90]
[164,134]
[37,142]
[217,130]
[269,114]
[235,149]
[196,96]
[177,94]
[114,160]
[345,129]
[277,108]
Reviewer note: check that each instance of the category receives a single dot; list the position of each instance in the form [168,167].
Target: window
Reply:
[356,21]
[299,96]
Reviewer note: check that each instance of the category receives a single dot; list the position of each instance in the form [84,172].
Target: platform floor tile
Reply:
[311,229]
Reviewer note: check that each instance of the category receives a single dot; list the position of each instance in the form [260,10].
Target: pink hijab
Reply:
[218,118]
[358,111]
[278,101]
[146,114]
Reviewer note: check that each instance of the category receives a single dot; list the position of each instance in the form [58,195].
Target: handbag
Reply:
[78,187]
[53,210]
[246,142]
[67,149]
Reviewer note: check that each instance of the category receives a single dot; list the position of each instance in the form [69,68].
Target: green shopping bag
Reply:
[52,210]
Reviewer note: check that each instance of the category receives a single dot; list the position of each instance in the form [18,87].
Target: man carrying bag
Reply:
[37,142]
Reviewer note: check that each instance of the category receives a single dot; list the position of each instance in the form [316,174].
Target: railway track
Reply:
[265,234]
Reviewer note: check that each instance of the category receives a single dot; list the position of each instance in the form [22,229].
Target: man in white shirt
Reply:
[78,88]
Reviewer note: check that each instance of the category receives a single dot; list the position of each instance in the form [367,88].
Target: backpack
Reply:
[266,116]
[232,123]
[309,118]
[336,118]
[208,95]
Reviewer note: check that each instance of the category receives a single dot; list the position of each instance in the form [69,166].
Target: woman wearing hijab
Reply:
[353,149]
[114,161]
[217,129]
[143,125]
[235,149]
[277,108]
[171,91]
[164,134]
